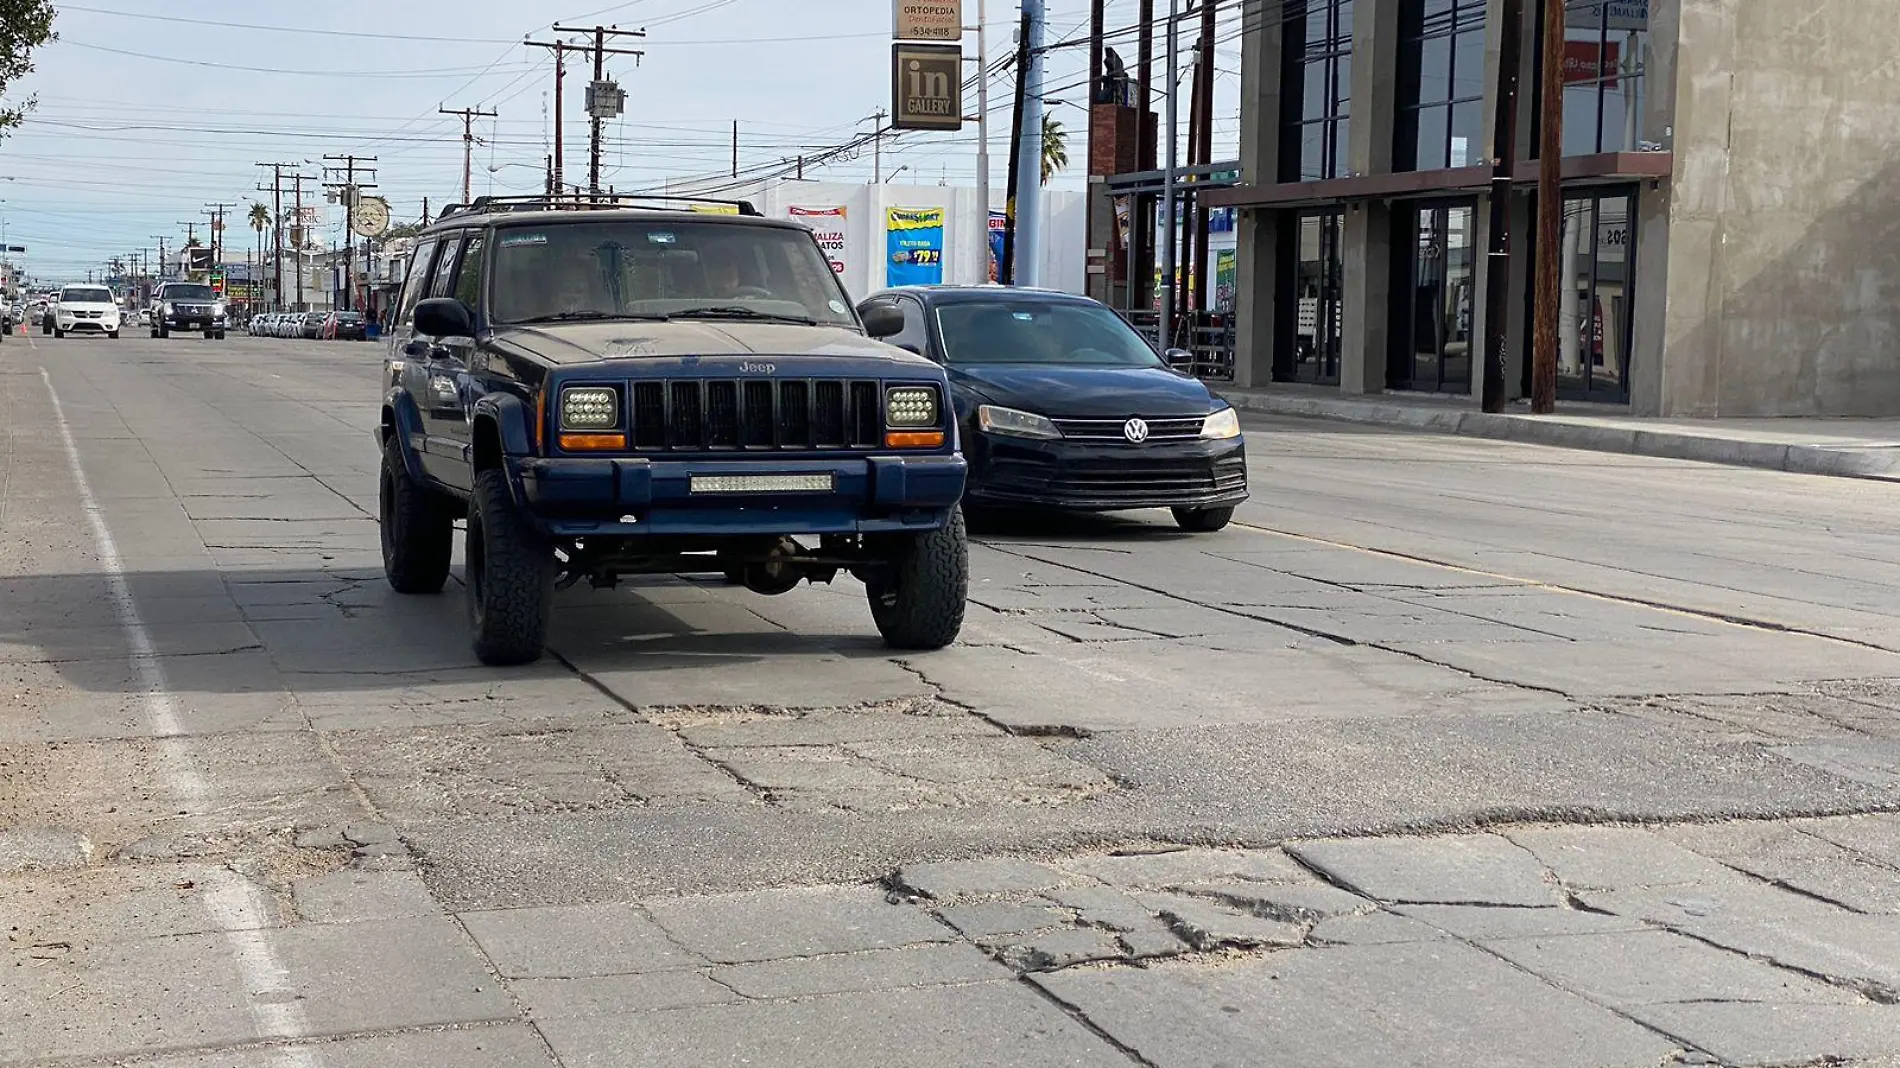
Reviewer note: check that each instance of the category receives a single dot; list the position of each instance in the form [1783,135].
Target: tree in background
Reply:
[24,26]
[1055,147]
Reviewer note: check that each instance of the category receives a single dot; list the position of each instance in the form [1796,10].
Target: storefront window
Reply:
[1312,299]
[1606,59]
[1593,311]
[1441,85]
[1433,299]
[1318,89]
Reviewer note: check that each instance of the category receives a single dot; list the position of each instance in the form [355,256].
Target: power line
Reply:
[439,72]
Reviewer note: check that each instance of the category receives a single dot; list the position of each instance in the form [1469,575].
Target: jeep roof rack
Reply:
[586,202]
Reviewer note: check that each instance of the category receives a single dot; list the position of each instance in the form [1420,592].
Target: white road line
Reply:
[238,908]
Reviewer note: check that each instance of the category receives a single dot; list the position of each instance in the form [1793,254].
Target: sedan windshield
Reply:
[190,292]
[1040,332]
[662,269]
[82,295]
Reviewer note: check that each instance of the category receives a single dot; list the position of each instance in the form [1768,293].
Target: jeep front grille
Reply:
[697,415]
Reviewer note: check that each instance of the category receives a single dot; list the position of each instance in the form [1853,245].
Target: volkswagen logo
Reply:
[1135,430]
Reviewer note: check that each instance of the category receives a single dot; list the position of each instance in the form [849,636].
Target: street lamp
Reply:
[897,172]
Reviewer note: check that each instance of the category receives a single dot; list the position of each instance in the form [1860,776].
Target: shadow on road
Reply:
[241,631]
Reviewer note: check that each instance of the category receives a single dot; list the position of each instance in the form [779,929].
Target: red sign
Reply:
[1588,61]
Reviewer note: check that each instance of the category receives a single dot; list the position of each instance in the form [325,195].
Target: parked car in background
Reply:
[1064,405]
[312,326]
[346,326]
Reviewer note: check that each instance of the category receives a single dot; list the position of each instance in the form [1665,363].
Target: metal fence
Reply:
[1208,335]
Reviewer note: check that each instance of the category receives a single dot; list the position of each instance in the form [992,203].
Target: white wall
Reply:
[965,259]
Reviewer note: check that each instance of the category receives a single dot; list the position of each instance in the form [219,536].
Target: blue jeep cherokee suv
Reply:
[632,388]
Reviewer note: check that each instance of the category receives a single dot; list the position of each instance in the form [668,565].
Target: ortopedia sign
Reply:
[928,20]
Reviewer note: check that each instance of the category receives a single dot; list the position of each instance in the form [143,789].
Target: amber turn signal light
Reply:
[593,442]
[913,439]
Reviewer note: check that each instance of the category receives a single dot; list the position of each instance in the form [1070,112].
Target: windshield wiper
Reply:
[585,315]
[735,311]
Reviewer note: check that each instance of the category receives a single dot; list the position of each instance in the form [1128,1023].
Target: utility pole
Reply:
[1170,266]
[1006,271]
[277,231]
[1142,215]
[735,148]
[983,133]
[598,108]
[877,147]
[216,211]
[1497,283]
[349,189]
[160,238]
[1550,214]
[469,115]
[1029,183]
[298,237]
[560,50]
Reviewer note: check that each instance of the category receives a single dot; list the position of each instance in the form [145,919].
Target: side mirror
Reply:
[444,317]
[1179,359]
[882,319]
[416,349]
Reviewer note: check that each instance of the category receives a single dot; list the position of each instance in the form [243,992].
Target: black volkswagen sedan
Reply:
[1062,404]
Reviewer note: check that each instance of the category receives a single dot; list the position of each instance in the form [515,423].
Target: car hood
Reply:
[1086,392]
[573,343]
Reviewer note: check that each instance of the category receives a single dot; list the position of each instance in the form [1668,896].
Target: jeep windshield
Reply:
[650,269]
[190,292]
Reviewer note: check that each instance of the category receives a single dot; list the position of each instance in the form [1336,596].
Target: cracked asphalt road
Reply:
[1448,752]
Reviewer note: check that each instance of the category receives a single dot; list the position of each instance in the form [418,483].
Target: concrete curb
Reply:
[1839,461]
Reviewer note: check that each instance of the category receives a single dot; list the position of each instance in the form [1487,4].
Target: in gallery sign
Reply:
[928,20]
[926,87]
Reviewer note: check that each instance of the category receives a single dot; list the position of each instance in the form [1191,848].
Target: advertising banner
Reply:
[1226,276]
[928,20]
[915,242]
[999,232]
[827,225]
[926,87]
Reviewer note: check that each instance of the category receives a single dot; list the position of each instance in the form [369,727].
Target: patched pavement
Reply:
[1448,752]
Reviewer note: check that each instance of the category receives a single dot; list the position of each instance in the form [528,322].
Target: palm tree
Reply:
[259,218]
[1055,147]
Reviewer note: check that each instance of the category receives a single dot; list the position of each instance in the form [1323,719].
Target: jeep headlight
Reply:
[910,406]
[1222,425]
[994,420]
[589,408]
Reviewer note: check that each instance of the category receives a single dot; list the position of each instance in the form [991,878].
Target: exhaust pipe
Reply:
[777,573]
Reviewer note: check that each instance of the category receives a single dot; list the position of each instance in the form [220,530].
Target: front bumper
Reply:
[635,496]
[195,321]
[74,325]
[1106,478]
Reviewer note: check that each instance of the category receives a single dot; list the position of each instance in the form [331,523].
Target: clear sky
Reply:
[149,111]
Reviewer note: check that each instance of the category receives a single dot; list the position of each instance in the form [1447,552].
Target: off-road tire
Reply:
[220,335]
[113,334]
[510,576]
[57,332]
[164,331]
[418,528]
[918,602]
[46,328]
[1203,520]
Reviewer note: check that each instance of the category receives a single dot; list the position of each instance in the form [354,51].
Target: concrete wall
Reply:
[965,239]
[1783,249]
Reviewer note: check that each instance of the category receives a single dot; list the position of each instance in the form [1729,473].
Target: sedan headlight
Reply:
[589,408]
[911,406]
[1221,425]
[994,420]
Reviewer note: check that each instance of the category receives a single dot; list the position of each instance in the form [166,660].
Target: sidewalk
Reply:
[1844,448]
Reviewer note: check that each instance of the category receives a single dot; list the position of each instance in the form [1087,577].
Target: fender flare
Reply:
[513,424]
[408,423]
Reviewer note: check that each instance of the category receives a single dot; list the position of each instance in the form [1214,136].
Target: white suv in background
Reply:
[85,309]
